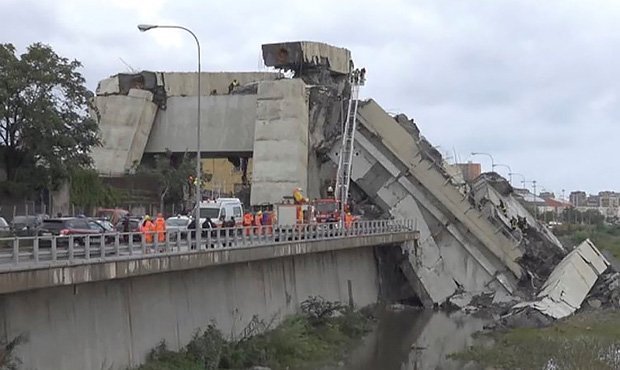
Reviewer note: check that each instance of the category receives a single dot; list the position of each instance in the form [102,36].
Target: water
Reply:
[412,340]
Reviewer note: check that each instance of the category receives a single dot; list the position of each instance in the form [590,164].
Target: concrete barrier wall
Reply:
[114,323]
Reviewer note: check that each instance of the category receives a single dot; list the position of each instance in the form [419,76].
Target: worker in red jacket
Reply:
[248,220]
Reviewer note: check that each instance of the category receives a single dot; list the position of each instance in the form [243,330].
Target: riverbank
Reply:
[587,340]
[321,335]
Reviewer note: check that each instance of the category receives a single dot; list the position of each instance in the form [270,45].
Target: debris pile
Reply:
[605,293]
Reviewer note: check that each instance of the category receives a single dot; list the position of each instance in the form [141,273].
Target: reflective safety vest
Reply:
[248,219]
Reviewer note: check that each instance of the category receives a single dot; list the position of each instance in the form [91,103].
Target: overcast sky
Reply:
[534,83]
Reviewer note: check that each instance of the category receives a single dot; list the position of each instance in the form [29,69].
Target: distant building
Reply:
[470,170]
[578,198]
[606,203]
[593,201]
[554,205]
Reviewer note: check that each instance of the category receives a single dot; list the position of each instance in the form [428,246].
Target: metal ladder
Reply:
[345,159]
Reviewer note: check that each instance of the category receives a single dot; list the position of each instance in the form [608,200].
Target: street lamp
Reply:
[518,174]
[144,28]
[489,155]
[509,171]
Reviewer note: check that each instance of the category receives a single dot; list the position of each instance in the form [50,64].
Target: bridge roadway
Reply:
[38,262]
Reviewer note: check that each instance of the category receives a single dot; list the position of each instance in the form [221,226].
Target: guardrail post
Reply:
[102,245]
[71,247]
[117,244]
[209,241]
[167,246]
[54,250]
[15,250]
[87,247]
[35,249]
[155,242]
[130,240]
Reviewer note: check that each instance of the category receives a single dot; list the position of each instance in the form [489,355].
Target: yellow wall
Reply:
[224,174]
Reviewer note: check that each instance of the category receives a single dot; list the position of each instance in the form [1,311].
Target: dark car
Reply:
[103,227]
[66,226]
[133,227]
[26,225]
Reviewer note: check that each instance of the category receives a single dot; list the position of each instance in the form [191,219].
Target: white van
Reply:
[221,208]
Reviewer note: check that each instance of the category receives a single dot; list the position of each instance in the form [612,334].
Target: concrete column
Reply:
[280,140]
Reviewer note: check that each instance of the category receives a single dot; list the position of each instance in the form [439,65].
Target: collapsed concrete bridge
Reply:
[290,127]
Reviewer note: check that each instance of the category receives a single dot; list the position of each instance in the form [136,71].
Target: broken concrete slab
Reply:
[125,122]
[569,283]
[300,54]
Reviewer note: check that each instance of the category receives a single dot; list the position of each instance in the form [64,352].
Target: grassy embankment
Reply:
[605,237]
[585,341]
[321,335]
[588,340]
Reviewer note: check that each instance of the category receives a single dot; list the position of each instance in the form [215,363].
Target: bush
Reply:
[317,337]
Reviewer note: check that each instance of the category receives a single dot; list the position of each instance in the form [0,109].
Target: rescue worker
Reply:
[160,227]
[147,228]
[502,207]
[268,221]
[348,220]
[362,76]
[257,222]
[248,220]
[330,191]
[232,86]
[299,197]
[126,227]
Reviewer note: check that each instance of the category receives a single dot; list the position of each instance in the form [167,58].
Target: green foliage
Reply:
[585,341]
[588,217]
[8,360]
[45,129]
[171,174]
[605,237]
[88,191]
[161,358]
[308,341]
[318,310]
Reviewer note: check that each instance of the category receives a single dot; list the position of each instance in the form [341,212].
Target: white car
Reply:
[177,225]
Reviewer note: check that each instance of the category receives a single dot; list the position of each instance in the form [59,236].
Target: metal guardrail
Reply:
[39,251]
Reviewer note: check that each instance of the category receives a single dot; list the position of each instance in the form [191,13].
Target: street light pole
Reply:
[490,156]
[509,171]
[518,174]
[144,28]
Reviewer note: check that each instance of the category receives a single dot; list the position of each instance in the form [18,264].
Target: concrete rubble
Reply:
[479,246]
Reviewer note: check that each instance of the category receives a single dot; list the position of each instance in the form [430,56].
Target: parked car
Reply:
[5,229]
[26,225]
[66,226]
[177,226]
[103,227]
[134,227]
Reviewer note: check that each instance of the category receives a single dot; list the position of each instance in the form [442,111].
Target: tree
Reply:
[172,174]
[88,191]
[45,128]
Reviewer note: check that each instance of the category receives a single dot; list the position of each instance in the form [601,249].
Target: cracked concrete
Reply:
[292,128]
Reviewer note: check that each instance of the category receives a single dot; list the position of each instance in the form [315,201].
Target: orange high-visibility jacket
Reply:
[248,219]
[160,227]
[147,229]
